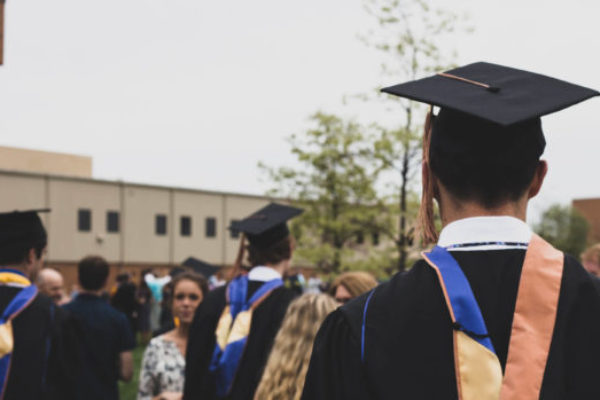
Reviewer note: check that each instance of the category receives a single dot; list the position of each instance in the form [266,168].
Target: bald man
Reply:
[50,283]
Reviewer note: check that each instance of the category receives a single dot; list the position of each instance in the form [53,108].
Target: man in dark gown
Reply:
[482,168]
[270,251]
[44,360]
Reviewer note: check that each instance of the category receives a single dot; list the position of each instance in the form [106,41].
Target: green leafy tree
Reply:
[334,181]
[564,228]
[407,34]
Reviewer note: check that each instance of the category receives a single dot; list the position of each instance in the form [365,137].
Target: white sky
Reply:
[195,93]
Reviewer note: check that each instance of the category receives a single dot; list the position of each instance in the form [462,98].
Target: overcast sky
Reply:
[195,93]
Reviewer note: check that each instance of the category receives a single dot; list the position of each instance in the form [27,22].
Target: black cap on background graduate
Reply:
[200,267]
[19,228]
[268,225]
[485,109]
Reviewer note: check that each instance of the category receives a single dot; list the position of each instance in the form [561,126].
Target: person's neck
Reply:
[182,330]
[97,293]
[279,267]
[460,210]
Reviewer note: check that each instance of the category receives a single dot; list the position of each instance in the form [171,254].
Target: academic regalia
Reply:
[400,340]
[38,349]
[45,360]
[263,228]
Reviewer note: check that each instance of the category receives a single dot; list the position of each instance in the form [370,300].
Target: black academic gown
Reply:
[408,346]
[45,360]
[266,319]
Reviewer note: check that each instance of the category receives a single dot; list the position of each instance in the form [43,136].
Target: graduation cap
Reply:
[200,267]
[22,228]
[267,225]
[495,93]
[485,110]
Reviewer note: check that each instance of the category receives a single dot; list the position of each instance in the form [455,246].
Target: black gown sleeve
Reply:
[336,371]
[583,351]
[201,345]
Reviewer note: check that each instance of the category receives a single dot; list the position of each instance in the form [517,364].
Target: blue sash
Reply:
[14,308]
[233,329]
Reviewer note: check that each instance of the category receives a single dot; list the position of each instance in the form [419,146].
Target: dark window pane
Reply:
[211,227]
[375,238]
[84,220]
[112,221]
[186,226]
[234,233]
[360,238]
[161,224]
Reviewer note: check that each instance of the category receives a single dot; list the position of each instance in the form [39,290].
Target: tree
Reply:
[407,34]
[334,183]
[564,228]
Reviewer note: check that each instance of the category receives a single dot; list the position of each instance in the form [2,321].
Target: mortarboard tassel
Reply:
[237,265]
[426,218]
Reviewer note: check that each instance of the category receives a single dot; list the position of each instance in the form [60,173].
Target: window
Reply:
[161,224]
[360,238]
[84,220]
[375,238]
[112,221]
[186,226]
[211,227]
[234,233]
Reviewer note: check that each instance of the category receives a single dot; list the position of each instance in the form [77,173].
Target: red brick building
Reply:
[590,210]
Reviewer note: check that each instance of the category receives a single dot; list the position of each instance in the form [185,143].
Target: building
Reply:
[133,226]
[590,210]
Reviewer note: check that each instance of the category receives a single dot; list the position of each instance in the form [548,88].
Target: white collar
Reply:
[501,229]
[263,274]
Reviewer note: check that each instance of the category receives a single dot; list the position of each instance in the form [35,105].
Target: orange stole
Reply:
[533,322]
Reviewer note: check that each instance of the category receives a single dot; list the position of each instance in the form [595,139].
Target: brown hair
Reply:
[274,254]
[356,283]
[592,254]
[198,279]
[286,368]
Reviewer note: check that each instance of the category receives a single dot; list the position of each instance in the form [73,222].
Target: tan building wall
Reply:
[137,243]
[590,209]
[45,162]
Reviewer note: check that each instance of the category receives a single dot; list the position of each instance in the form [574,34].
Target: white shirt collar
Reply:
[263,274]
[502,231]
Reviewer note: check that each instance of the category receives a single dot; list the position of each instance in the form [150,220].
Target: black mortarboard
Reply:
[200,267]
[267,225]
[495,93]
[18,228]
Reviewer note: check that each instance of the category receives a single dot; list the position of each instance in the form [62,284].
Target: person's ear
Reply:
[538,179]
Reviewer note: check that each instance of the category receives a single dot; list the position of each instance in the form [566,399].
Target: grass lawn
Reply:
[128,391]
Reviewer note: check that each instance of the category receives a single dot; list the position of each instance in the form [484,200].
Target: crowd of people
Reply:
[491,311]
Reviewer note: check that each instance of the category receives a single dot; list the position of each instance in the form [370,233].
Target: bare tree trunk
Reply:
[403,242]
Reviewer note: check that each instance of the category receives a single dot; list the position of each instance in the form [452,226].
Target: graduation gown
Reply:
[408,343]
[266,319]
[45,359]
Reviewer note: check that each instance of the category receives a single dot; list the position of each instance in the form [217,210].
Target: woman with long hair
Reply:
[163,367]
[286,368]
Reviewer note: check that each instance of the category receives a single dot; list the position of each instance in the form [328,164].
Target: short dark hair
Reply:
[17,254]
[93,272]
[274,254]
[478,160]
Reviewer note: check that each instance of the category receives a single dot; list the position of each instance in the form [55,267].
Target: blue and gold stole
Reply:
[10,277]
[233,329]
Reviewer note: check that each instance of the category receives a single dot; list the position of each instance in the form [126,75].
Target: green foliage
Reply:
[334,182]
[564,228]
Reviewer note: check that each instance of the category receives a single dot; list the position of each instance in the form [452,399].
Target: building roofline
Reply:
[132,184]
